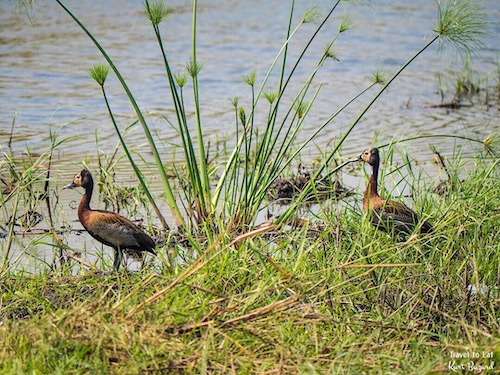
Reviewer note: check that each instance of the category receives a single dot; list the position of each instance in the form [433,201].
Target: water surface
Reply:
[45,57]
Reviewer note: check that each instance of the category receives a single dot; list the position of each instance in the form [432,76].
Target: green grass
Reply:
[326,295]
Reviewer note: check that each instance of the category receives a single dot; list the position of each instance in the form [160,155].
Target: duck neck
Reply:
[85,202]
[372,187]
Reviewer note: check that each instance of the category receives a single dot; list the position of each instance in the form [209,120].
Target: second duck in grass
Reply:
[109,228]
[388,215]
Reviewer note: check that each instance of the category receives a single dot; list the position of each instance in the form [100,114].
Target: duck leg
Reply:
[118,258]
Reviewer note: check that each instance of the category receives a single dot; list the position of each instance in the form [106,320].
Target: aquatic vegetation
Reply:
[468,88]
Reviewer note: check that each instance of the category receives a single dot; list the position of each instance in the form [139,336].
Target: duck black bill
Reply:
[71,185]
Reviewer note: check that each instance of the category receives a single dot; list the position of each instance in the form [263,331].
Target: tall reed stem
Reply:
[133,164]
[163,176]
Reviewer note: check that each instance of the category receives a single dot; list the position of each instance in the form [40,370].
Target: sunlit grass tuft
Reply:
[462,24]
[99,73]
[157,11]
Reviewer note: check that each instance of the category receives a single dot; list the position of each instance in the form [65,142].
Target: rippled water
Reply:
[44,84]
[45,57]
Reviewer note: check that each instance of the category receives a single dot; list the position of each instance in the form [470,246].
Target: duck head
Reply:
[370,156]
[82,178]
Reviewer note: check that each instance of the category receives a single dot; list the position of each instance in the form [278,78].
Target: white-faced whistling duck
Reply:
[387,215]
[109,228]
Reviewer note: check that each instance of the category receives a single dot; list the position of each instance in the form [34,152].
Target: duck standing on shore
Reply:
[388,215]
[107,227]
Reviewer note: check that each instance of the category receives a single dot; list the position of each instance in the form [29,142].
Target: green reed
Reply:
[270,153]
[99,73]
[198,172]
